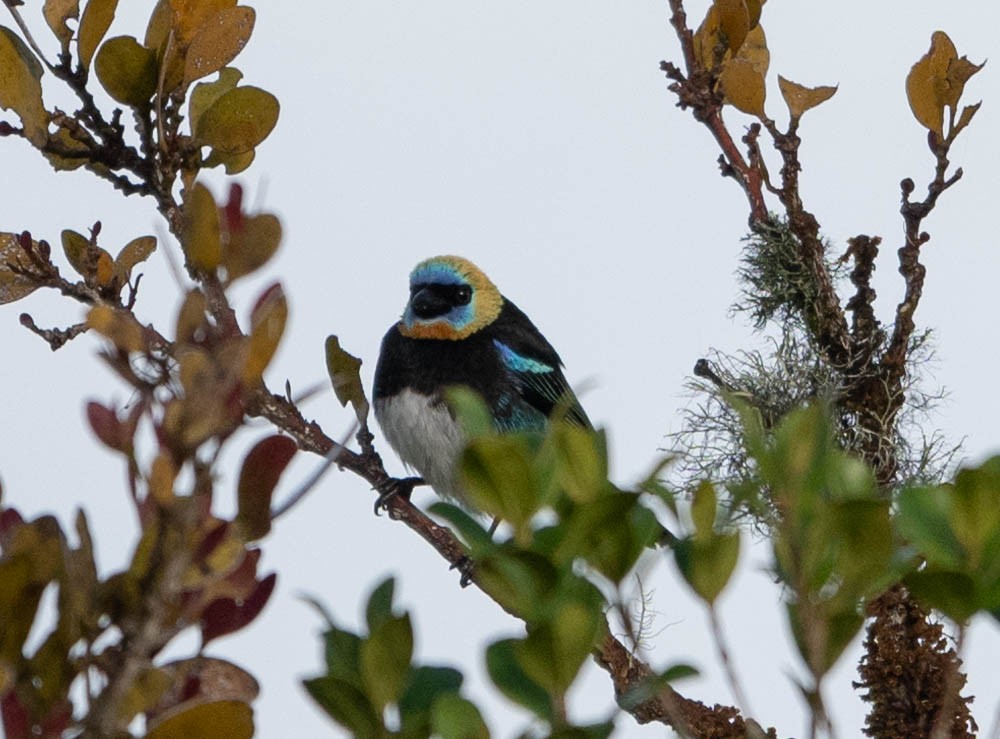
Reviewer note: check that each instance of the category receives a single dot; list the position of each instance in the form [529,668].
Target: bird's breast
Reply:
[425,435]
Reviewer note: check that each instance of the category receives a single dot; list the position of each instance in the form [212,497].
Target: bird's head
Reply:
[450,298]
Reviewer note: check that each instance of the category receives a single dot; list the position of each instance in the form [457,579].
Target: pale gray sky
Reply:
[538,140]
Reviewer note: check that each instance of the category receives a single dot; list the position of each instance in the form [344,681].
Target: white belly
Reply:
[425,436]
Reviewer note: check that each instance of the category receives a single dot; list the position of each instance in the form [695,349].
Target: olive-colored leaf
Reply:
[708,563]
[708,43]
[218,42]
[345,376]
[78,250]
[134,252]
[94,23]
[191,317]
[158,28]
[204,95]
[800,98]
[105,272]
[743,86]
[202,242]
[734,20]
[119,326]
[162,473]
[73,154]
[927,83]
[753,12]
[267,325]
[259,475]
[191,16]
[127,70]
[21,88]
[13,286]
[250,248]
[56,13]
[959,72]
[966,117]
[754,50]
[346,704]
[234,163]
[239,120]
[231,719]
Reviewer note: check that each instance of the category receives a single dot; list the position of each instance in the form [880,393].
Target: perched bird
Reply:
[458,329]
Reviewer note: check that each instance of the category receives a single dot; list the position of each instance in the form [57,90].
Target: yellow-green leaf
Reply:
[231,719]
[234,163]
[267,325]
[96,21]
[127,70]
[239,120]
[204,94]
[218,42]
[800,98]
[64,139]
[345,376]
[56,13]
[13,286]
[134,252]
[202,242]
[253,246]
[20,86]
[743,86]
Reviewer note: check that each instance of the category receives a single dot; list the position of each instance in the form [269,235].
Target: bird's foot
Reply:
[394,487]
[467,567]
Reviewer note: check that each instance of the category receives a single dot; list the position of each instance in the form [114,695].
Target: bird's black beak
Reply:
[428,303]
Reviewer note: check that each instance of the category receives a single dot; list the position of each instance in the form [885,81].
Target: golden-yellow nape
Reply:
[463,321]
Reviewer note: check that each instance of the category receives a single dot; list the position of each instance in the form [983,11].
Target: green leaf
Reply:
[923,519]
[703,509]
[345,375]
[581,461]
[127,70]
[708,563]
[94,23]
[952,592]
[379,607]
[425,686]
[498,475]
[238,121]
[453,717]
[346,704]
[342,650]
[507,674]
[231,719]
[554,650]
[21,87]
[471,531]
[218,42]
[385,660]
[470,410]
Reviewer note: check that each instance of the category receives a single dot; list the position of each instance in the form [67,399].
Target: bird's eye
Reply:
[463,295]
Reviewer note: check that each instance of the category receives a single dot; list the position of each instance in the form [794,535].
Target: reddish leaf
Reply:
[225,615]
[259,475]
[106,426]
[212,539]
[9,519]
[16,722]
